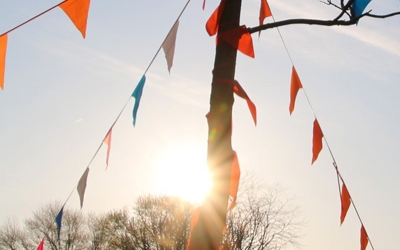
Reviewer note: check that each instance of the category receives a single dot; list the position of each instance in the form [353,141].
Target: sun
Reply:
[182,171]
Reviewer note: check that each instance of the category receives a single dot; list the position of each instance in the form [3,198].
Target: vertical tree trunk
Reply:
[207,233]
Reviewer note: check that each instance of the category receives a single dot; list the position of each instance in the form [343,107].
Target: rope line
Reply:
[339,176]
[31,19]
[126,103]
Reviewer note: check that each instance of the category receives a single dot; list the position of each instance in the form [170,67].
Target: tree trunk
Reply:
[207,234]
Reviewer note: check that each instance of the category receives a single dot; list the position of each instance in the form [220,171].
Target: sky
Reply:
[62,93]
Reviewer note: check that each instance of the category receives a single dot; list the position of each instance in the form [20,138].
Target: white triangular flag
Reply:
[169,45]
[82,186]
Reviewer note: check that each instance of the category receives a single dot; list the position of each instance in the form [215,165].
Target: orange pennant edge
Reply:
[265,12]
[235,177]
[240,92]
[295,85]
[213,22]
[317,141]
[107,141]
[3,49]
[193,222]
[77,11]
[363,238]
[239,38]
[345,199]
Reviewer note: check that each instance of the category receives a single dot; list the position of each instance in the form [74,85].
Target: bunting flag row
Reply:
[317,145]
[238,37]
[169,49]
[76,10]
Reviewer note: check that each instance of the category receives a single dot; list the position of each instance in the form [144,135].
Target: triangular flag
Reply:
[359,6]
[77,11]
[237,89]
[169,45]
[235,177]
[58,222]
[295,85]
[3,49]
[317,140]
[137,94]
[265,12]
[193,222]
[345,200]
[107,141]
[239,38]
[41,245]
[82,186]
[363,238]
[213,22]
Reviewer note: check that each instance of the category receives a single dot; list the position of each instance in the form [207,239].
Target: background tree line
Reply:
[262,219]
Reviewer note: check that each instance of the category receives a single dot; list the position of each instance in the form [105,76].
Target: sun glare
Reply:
[183,172]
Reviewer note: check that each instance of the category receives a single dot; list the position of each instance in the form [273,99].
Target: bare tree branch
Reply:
[318,22]
[344,7]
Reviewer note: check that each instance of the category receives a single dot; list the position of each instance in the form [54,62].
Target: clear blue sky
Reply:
[62,93]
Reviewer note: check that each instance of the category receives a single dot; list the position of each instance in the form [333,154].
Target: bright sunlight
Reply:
[183,172]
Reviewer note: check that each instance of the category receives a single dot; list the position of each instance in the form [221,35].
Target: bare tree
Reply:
[263,219]
[118,230]
[97,227]
[12,237]
[42,224]
[161,222]
[157,222]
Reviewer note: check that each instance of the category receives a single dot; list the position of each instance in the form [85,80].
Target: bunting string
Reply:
[158,51]
[107,138]
[78,16]
[31,19]
[364,236]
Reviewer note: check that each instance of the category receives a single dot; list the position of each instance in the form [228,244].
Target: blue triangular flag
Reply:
[137,94]
[359,6]
[58,222]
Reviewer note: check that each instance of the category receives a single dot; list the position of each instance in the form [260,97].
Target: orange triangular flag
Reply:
[213,22]
[363,238]
[239,38]
[345,199]
[235,176]
[294,88]
[3,49]
[237,89]
[265,12]
[107,141]
[77,11]
[193,222]
[317,140]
